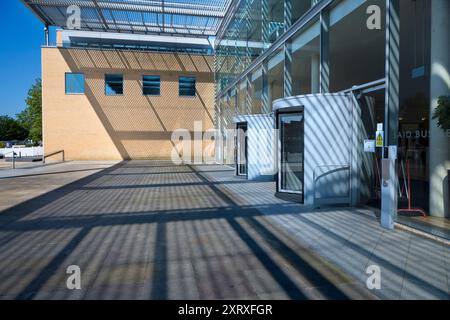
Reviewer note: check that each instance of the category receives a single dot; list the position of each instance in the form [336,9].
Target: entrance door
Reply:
[290,175]
[241,146]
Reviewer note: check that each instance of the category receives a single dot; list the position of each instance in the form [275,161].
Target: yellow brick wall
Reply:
[94,126]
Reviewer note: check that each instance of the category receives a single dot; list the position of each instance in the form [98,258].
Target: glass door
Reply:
[241,146]
[290,175]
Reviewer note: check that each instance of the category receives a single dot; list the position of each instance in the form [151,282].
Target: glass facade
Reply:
[325,53]
[255,26]
[305,46]
[331,49]
[356,54]
[414,113]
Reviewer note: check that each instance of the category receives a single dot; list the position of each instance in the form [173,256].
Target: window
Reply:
[74,83]
[187,86]
[151,85]
[113,84]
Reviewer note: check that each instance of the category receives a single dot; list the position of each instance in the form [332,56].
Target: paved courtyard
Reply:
[153,230]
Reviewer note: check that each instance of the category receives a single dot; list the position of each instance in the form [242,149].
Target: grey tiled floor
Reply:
[153,230]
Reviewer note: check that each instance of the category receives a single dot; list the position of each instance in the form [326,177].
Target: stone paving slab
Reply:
[154,230]
[352,239]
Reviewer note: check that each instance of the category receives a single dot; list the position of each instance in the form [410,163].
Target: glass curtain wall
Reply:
[357,53]
[274,25]
[414,116]
[356,56]
[241,98]
[255,25]
[297,8]
[275,77]
[256,90]
[306,59]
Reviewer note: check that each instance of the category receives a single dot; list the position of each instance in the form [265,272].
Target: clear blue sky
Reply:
[22,36]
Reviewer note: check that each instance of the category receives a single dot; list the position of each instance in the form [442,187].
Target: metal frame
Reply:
[200,18]
[312,13]
[239,126]
[280,150]
[390,84]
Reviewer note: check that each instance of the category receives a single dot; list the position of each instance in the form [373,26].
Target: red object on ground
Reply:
[409,209]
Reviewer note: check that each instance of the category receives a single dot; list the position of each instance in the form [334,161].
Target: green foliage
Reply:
[442,112]
[11,129]
[31,117]
[2,145]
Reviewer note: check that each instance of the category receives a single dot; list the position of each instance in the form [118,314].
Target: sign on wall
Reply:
[379,136]
[369,146]
[379,139]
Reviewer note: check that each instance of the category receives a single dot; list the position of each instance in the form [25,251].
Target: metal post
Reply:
[265,99]
[46,32]
[392,101]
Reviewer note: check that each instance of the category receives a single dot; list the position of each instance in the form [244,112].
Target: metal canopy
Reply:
[199,18]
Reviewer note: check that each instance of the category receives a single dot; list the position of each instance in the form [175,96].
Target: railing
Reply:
[54,154]
[25,152]
[337,168]
[13,158]
[376,85]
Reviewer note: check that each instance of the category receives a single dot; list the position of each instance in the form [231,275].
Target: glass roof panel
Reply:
[200,18]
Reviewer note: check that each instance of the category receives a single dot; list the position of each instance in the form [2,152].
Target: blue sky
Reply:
[20,57]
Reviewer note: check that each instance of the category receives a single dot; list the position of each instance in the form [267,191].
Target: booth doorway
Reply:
[241,146]
[291,153]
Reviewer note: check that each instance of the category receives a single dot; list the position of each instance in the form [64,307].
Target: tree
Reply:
[11,129]
[31,117]
[442,112]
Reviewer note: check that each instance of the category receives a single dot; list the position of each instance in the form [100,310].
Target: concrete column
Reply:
[265,23]
[324,51]
[389,182]
[315,73]
[439,85]
[265,99]
[248,94]
[248,27]
[288,14]
[287,69]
